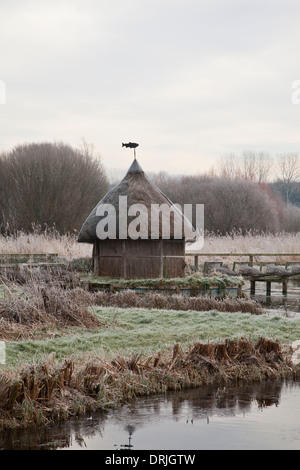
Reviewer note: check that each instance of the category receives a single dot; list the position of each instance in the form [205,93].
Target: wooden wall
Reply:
[139,259]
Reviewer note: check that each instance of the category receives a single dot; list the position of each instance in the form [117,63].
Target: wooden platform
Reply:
[268,279]
[266,271]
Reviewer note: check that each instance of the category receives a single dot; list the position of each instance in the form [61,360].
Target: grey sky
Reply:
[189,80]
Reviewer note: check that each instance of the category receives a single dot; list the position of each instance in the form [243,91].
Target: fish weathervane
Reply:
[131,145]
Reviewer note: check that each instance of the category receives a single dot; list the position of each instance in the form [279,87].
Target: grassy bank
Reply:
[144,331]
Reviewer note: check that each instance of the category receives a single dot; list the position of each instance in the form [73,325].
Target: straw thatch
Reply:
[145,256]
[138,189]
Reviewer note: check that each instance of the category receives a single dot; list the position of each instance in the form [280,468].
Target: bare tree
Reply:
[49,184]
[264,167]
[289,172]
[229,204]
[229,166]
[250,166]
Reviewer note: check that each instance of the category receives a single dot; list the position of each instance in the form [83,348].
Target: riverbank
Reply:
[70,351]
[131,352]
[49,392]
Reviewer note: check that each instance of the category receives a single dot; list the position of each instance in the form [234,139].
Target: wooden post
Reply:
[93,257]
[196,262]
[252,287]
[284,287]
[124,258]
[251,260]
[268,286]
[161,260]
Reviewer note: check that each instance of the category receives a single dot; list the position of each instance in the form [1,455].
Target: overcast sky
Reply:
[189,80]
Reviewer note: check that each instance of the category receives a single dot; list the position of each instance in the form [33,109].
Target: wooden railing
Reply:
[250,256]
[20,258]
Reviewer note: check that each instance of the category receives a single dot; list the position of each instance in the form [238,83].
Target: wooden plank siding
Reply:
[137,259]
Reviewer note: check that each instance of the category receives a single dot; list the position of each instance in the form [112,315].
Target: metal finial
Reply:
[131,145]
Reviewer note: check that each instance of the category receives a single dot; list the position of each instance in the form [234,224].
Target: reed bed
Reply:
[40,299]
[48,392]
[45,241]
[66,245]
[130,299]
[251,242]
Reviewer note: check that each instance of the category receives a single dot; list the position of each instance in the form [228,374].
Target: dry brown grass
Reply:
[50,241]
[47,392]
[47,241]
[129,299]
[252,242]
[43,298]
[236,242]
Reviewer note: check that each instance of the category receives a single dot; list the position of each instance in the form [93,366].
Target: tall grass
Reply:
[45,241]
[130,299]
[50,241]
[236,242]
[41,299]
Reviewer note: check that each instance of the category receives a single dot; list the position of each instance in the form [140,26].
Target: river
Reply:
[247,416]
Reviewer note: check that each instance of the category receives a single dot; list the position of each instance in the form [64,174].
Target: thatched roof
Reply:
[139,190]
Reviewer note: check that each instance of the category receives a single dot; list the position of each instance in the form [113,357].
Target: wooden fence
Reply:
[14,259]
[250,256]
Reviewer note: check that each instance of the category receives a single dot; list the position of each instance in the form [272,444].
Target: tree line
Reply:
[238,194]
[53,184]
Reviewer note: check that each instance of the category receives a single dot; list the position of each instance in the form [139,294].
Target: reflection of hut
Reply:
[143,257]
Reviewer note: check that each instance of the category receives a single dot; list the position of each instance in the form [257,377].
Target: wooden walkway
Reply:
[255,270]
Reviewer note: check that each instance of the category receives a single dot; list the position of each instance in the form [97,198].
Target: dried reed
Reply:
[47,392]
[129,298]
[50,241]
[43,298]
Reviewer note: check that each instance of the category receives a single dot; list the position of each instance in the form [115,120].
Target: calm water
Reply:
[286,303]
[256,416]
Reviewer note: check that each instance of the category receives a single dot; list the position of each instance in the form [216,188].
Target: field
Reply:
[69,350]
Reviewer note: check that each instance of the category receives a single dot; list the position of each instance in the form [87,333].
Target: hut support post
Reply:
[252,287]
[93,257]
[96,259]
[161,260]
[124,258]
[268,285]
[196,262]
[284,287]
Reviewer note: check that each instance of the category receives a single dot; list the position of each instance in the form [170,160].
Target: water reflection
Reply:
[287,303]
[130,429]
[149,421]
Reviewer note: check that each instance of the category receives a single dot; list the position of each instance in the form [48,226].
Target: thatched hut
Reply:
[150,255]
